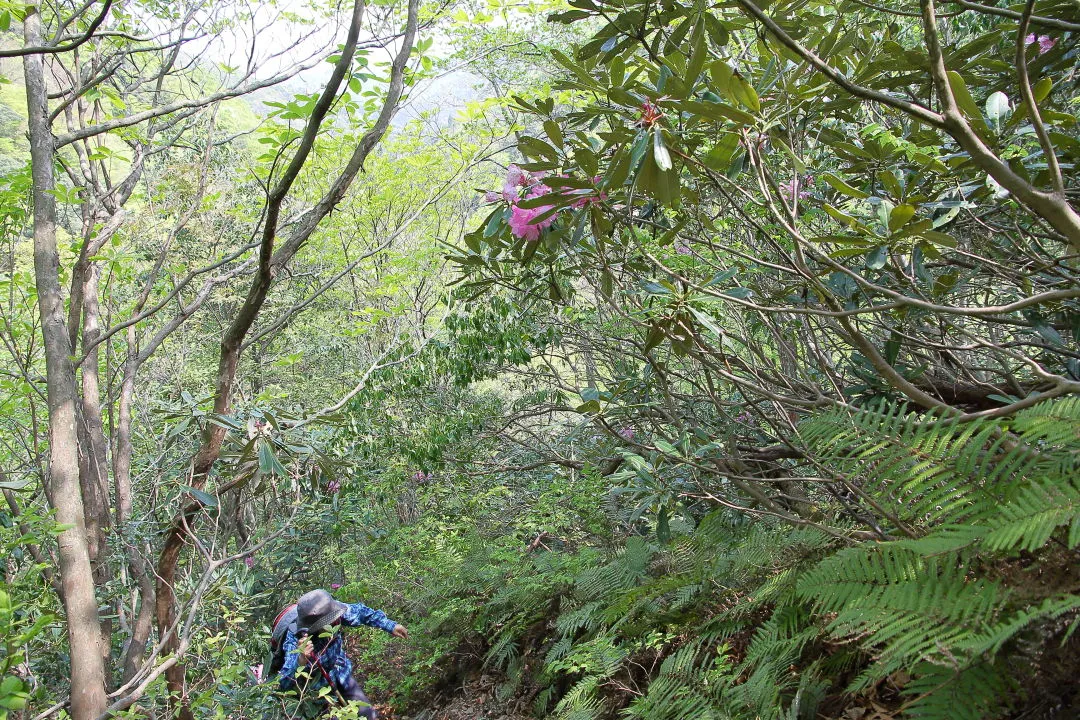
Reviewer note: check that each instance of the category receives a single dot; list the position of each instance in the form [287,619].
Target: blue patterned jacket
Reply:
[330,650]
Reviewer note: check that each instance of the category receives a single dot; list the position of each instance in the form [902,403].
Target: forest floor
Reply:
[474,700]
[468,694]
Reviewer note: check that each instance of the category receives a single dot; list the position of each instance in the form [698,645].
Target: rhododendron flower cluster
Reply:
[521,184]
[523,221]
[1045,42]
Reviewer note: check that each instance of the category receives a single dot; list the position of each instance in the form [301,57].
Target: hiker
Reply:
[311,640]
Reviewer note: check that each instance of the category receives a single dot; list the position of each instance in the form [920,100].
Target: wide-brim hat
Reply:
[317,609]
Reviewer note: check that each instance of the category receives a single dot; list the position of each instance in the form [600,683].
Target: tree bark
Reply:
[94,471]
[63,484]
[140,570]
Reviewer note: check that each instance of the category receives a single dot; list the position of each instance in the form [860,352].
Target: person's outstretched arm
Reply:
[360,614]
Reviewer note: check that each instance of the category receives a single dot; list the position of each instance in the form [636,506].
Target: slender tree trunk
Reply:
[137,564]
[95,479]
[62,487]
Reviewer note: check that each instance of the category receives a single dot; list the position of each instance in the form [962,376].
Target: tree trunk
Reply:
[62,487]
[95,469]
[137,564]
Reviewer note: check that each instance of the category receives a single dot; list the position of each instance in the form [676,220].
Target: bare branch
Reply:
[67,46]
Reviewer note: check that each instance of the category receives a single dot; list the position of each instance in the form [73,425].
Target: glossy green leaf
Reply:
[967,104]
[842,187]
[554,133]
[204,498]
[899,216]
[660,152]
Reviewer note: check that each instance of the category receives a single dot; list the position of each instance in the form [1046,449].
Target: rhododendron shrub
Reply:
[526,218]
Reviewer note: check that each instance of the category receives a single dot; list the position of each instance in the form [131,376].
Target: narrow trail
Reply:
[475,700]
[469,695]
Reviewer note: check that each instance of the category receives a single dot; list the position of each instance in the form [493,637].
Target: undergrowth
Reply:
[972,585]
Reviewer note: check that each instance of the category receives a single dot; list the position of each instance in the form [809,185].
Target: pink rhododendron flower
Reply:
[522,225]
[523,220]
[537,190]
[333,486]
[517,178]
[1045,42]
[682,248]
[627,433]
[335,586]
[249,561]
[515,175]
[257,671]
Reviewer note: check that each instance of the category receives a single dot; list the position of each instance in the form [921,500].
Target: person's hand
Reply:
[400,631]
[305,648]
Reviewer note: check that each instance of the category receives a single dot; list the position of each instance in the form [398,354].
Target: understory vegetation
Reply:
[648,360]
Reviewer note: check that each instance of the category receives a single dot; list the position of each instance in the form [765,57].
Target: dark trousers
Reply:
[351,690]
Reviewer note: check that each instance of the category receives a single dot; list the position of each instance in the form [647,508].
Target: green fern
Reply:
[581,702]
[1033,514]
[933,609]
[681,691]
[979,493]
[1055,424]
[977,692]
[924,471]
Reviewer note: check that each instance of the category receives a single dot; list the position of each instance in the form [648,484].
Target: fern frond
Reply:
[1055,424]
[909,606]
[580,702]
[927,470]
[543,700]
[585,617]
[503,652]
[941,693]
[1034,512]
[670,699]
[993,638]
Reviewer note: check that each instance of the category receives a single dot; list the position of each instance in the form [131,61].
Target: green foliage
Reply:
[942,609]
[820,352]
[941,603]
[27,622]
[747,429]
